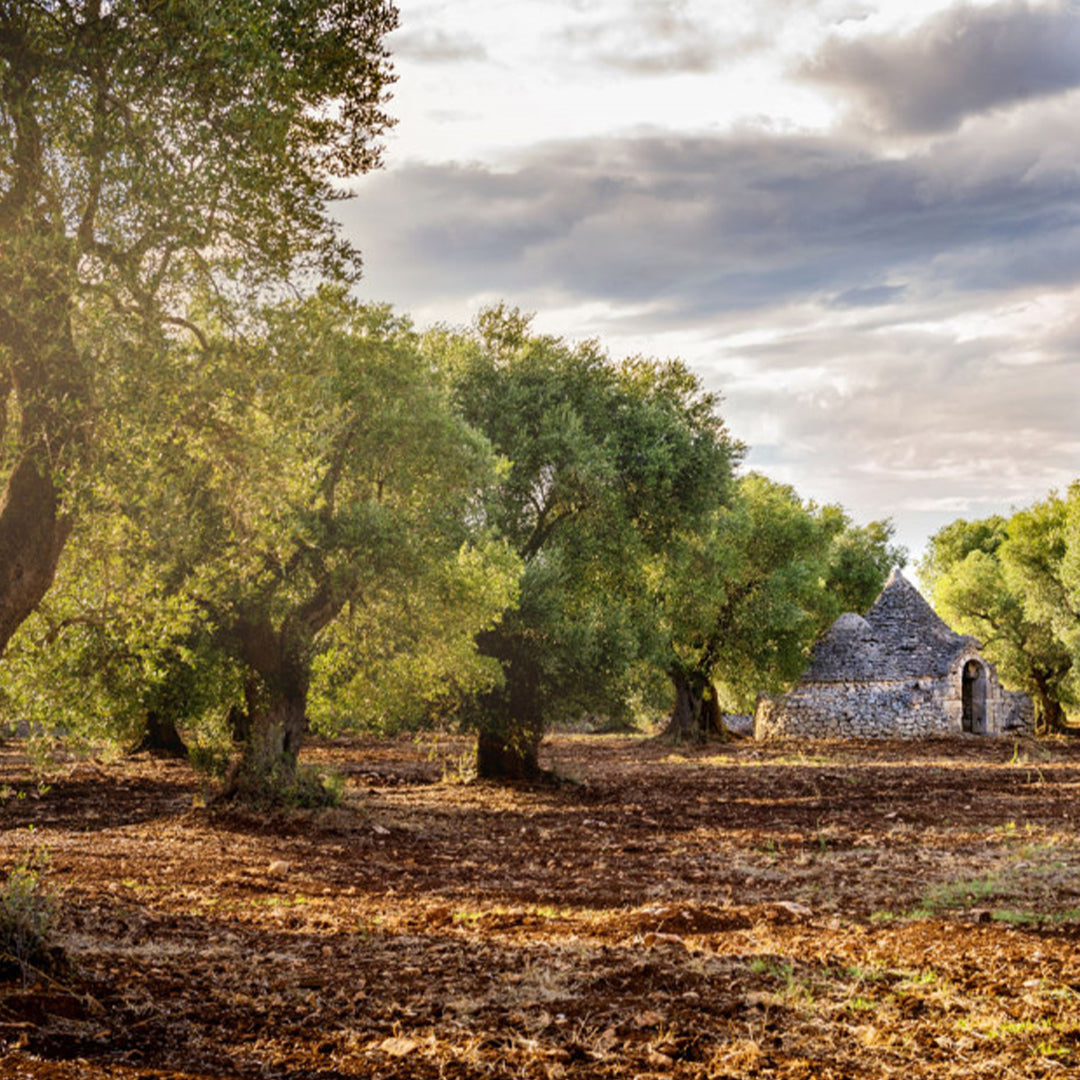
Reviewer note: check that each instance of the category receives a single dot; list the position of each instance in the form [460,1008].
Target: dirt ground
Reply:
[795,910]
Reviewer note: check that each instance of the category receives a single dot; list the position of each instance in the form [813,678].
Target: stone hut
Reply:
[900,672]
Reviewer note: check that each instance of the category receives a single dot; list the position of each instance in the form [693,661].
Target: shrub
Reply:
[28,909]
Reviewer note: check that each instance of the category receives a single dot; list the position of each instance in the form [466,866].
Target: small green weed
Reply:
[861,1004]
[863,974]
[210,761]
[1016,917]
[771,848]
[958,894]
[296,900]
[1048,1049]
[305,787]
[761,965]
[468,916]
[794,989]
[1019,1027]
[28,912]
[926,977]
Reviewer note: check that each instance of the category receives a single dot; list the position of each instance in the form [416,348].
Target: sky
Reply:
[859,222]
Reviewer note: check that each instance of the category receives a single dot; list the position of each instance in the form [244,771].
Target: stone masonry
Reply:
[899,672]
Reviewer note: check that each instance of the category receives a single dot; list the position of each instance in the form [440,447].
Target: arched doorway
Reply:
[974,698]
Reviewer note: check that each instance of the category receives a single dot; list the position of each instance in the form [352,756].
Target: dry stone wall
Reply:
[887,709]
[864,710]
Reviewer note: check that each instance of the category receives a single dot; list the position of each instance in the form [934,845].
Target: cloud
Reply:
[965,61]
[894,333]
[914,424]
[874,296]
[652,37]
[697,226]
[433,45]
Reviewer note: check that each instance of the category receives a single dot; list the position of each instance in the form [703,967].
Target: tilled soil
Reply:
[796,910]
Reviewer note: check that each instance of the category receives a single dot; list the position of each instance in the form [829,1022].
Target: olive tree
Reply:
[273,501]
[744,598]
[606,461]
[1004,580]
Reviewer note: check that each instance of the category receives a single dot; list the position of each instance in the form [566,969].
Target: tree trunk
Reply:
[695,715]
[509,755]
[268,769]
[162,738]
[44,380]
[275,688]
[32,536]
[1049,714]
[508,743]
[277,731]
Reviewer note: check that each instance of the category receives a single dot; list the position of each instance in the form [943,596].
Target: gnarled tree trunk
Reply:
[44,392]
[695,716]
[272,750]
[32,535]
[1049,714]
[508,744]
[276,692]
[268,767]
[509,755]
[162,739]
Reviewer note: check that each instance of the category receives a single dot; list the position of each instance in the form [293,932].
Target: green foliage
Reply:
[303,787]
[112,643]
[28,912]
[298,504]
[160,137]
[1007,582]
[150,153]
[745,598]
[211,759]
[1042,555]
[860,561]
[400,660]
[605,461]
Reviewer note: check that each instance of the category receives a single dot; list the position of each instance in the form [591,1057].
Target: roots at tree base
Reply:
[499,757]
[162,738]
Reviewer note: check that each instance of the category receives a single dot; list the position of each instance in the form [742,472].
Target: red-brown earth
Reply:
[795,910]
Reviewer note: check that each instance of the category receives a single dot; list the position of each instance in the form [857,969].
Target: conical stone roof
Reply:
[901,637]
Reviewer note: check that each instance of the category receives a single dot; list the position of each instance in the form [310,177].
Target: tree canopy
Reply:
[605,460]
[1012,583]
[274,490]
[743,599]
[149,151]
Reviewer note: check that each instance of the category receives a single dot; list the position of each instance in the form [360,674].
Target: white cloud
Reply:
[892,320]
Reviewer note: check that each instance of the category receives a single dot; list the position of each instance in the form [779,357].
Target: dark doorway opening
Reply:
[974,698]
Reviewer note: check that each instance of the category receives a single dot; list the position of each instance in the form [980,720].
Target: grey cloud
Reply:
[964,61]
[913,425]
[699,226]
[653,37]
[435,46]
[688,57]
[873,296]
[763,236]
